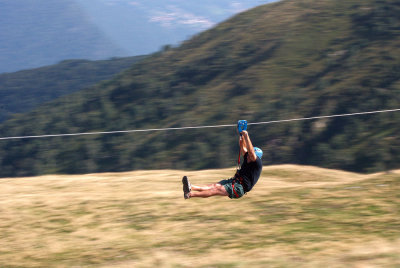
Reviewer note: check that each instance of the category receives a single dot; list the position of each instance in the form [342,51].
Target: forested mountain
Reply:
[24,90]
[293,58]
[39,33]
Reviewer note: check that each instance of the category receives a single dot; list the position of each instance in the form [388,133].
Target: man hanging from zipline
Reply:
[243,181]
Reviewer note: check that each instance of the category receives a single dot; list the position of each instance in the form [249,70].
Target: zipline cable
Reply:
[324,116]
[195,127]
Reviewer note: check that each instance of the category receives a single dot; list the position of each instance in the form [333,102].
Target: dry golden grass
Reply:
[296,216]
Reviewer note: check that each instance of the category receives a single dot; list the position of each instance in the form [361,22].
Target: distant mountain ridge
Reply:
[39,33]
[144,26]
[22,91]
[283,60]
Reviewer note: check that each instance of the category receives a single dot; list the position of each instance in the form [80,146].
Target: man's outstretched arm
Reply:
[242,145]
[249,146]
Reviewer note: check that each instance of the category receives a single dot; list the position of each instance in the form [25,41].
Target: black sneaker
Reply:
[186,187]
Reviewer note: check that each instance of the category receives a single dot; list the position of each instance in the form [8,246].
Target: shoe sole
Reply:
[186,187]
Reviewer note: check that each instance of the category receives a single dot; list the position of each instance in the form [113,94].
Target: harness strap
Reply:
[239,179]
[233,188]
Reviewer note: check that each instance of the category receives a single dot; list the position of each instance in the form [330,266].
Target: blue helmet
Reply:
[258,152]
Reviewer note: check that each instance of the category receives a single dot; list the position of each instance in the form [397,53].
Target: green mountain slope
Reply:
[284,60]
[24,90]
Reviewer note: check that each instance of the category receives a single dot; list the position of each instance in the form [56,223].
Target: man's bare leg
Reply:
[203,187]
[191,190]
[208,191]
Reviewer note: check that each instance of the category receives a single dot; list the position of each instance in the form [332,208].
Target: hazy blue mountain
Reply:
[37,33]
[143,26]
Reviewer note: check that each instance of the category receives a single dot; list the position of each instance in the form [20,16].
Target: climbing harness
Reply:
[239,179]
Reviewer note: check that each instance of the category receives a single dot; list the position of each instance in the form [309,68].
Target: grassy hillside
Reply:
[283,60]
[296,216]
[24,90]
